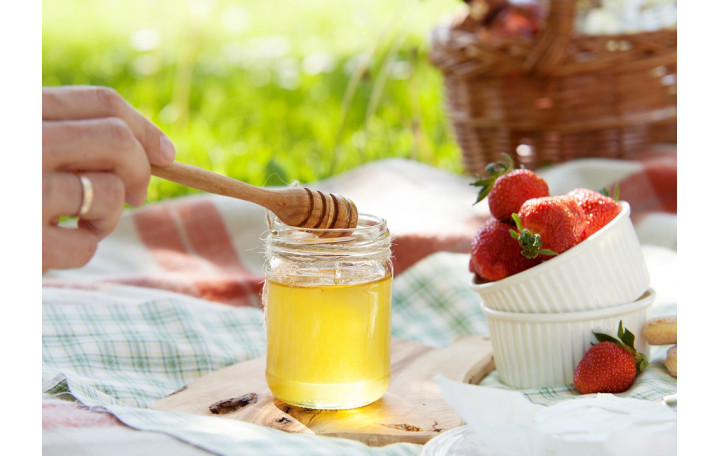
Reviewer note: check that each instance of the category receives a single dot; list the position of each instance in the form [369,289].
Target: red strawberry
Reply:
[511,190]
[599,209]
[549,225]
[611,365]
[495,254]
[507,188]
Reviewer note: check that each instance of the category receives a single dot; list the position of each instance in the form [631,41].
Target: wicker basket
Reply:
[559,97]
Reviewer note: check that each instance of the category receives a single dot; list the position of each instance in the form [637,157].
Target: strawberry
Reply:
[495,254]
[599,209]
[507,188]
[549,225]
[511,190]
[611,365]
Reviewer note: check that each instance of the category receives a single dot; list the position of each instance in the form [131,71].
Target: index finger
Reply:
[88,102]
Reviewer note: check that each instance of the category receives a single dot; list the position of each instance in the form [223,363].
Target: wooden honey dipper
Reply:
[294,206]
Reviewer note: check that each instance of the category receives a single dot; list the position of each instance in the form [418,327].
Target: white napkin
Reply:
[508,424]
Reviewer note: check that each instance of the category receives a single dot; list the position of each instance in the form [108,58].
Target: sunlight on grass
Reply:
[267,92]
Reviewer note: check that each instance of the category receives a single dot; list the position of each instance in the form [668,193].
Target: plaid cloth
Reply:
[173,295]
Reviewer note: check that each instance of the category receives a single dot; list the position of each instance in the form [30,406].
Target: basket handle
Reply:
[551,47]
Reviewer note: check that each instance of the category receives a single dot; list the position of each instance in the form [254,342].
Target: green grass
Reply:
[268,92]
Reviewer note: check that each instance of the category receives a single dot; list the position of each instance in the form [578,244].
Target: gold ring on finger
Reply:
[87,195]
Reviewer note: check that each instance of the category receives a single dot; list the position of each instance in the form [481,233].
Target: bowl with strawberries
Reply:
[551,271]
[563,253]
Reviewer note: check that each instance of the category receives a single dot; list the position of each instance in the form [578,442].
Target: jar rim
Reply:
[368,227]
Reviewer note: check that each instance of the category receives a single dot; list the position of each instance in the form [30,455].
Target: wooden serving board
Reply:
[412,410]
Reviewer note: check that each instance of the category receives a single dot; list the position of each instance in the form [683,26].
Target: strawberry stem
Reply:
[616,194]
[494,170]
[530,243]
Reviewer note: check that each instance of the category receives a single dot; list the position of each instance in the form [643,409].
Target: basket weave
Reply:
[560,96]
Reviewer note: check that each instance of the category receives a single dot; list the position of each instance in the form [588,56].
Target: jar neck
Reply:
[369,240]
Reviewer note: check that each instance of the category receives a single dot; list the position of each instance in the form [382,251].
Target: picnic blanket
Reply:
[174,293]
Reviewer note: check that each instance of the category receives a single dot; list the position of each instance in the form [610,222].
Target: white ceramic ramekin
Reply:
[537,349]
[605,270]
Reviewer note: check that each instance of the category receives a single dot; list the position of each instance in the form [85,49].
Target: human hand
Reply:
[92,132]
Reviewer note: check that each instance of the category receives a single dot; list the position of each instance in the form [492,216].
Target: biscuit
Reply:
[671,361]
[661,331]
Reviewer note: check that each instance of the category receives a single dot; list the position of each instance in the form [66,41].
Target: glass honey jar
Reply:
[327,303]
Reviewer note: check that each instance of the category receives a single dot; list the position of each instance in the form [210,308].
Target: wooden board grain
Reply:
[412,410]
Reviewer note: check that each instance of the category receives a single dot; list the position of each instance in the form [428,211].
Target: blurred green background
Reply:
[268,92]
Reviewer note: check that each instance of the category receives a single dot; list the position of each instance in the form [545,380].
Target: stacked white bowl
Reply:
[542,320]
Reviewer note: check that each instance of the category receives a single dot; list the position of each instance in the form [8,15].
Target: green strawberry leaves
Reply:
[494,170]
[627,342]
[616,195]
[530,243]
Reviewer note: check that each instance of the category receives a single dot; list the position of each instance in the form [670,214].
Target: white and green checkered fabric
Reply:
[122,348]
